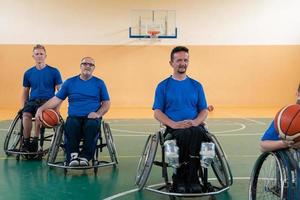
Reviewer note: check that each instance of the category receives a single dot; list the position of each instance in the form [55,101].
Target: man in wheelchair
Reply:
[180,104]
[88,101]
[271,141]
[39,84]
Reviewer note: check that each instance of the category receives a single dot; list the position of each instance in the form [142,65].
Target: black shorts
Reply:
[32,105]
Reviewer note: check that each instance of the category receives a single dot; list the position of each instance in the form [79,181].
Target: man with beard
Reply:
[88,102]
[180,104]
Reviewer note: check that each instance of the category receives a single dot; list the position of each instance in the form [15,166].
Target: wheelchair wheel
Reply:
[14,134]
[56,142]
[269,178]
[110,143]
[146,160]
[220,165]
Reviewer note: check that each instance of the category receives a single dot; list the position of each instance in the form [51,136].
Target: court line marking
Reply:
[138,156]
[243,126]
[136,189]
[255,121]
[219,135]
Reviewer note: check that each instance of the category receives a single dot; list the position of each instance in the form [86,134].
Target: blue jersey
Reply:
[84,96]
[271,133]
[41,82]
[180,100]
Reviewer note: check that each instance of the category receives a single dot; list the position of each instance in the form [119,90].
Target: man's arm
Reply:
[51,103]
[25,95]
[57,87]
[272,145]
[202,115]
[105,105]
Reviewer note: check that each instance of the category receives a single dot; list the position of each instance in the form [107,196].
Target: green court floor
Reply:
[30,180]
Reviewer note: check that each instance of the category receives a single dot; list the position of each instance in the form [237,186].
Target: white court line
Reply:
[142,134]
[242,127]
[136,189]
[255,121]
[209,123]
[219,135]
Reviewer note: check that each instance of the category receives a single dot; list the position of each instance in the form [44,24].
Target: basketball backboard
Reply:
[153,24]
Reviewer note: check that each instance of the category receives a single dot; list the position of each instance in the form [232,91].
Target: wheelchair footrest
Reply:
[161,189]
[158,163]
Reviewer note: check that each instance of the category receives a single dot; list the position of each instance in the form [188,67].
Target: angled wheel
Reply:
[110,143]
[220,165]
[13,137]
[146,160]
[56,142]
[269,178]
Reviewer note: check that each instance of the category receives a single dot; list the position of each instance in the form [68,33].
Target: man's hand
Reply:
[296,145]
[39,115]
[181,124]
[94,115]
[288,143]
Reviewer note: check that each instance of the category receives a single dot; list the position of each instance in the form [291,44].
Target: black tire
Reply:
[220,165]
[146,161]
[14,134]
[56,142]
[270,178]
[110,143]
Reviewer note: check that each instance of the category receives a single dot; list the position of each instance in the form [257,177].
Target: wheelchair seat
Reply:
[14,140]
[220,169]
[276,175]
[58,143]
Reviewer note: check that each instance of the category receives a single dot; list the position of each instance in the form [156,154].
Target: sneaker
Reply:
[83,161]
[74,162]
[26,145]
[34,145]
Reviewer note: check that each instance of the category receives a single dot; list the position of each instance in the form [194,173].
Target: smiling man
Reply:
[88,101]
[180,104]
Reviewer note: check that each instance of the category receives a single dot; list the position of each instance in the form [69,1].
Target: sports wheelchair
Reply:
[57,143]
[276,175]
[221,181]
[14,140]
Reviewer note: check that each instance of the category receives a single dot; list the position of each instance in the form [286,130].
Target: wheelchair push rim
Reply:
[146,160]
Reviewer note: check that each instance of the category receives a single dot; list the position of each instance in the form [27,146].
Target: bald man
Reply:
[88,101]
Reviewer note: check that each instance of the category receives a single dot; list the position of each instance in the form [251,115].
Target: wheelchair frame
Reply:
[57,142]
[220,167]
[276,173]
[14,140]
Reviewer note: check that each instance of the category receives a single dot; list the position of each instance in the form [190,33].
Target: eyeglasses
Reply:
[88,64]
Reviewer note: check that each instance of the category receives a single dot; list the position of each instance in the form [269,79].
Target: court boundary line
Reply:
[136,189]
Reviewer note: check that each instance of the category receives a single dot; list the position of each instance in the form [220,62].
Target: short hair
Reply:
[178,49]
[39,46]
[87,57]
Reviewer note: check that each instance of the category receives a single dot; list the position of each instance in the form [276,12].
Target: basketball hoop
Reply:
[153,33]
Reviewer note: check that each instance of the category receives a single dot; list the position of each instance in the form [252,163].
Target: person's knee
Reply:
[27,116]
[92,124]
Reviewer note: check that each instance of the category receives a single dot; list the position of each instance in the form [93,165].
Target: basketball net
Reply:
[153,34]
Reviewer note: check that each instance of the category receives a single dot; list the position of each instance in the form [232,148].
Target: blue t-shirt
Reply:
[180,100]
[84,96]
[41,82]
[271,133]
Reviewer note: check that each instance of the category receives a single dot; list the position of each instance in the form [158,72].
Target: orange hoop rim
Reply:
[153,33]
